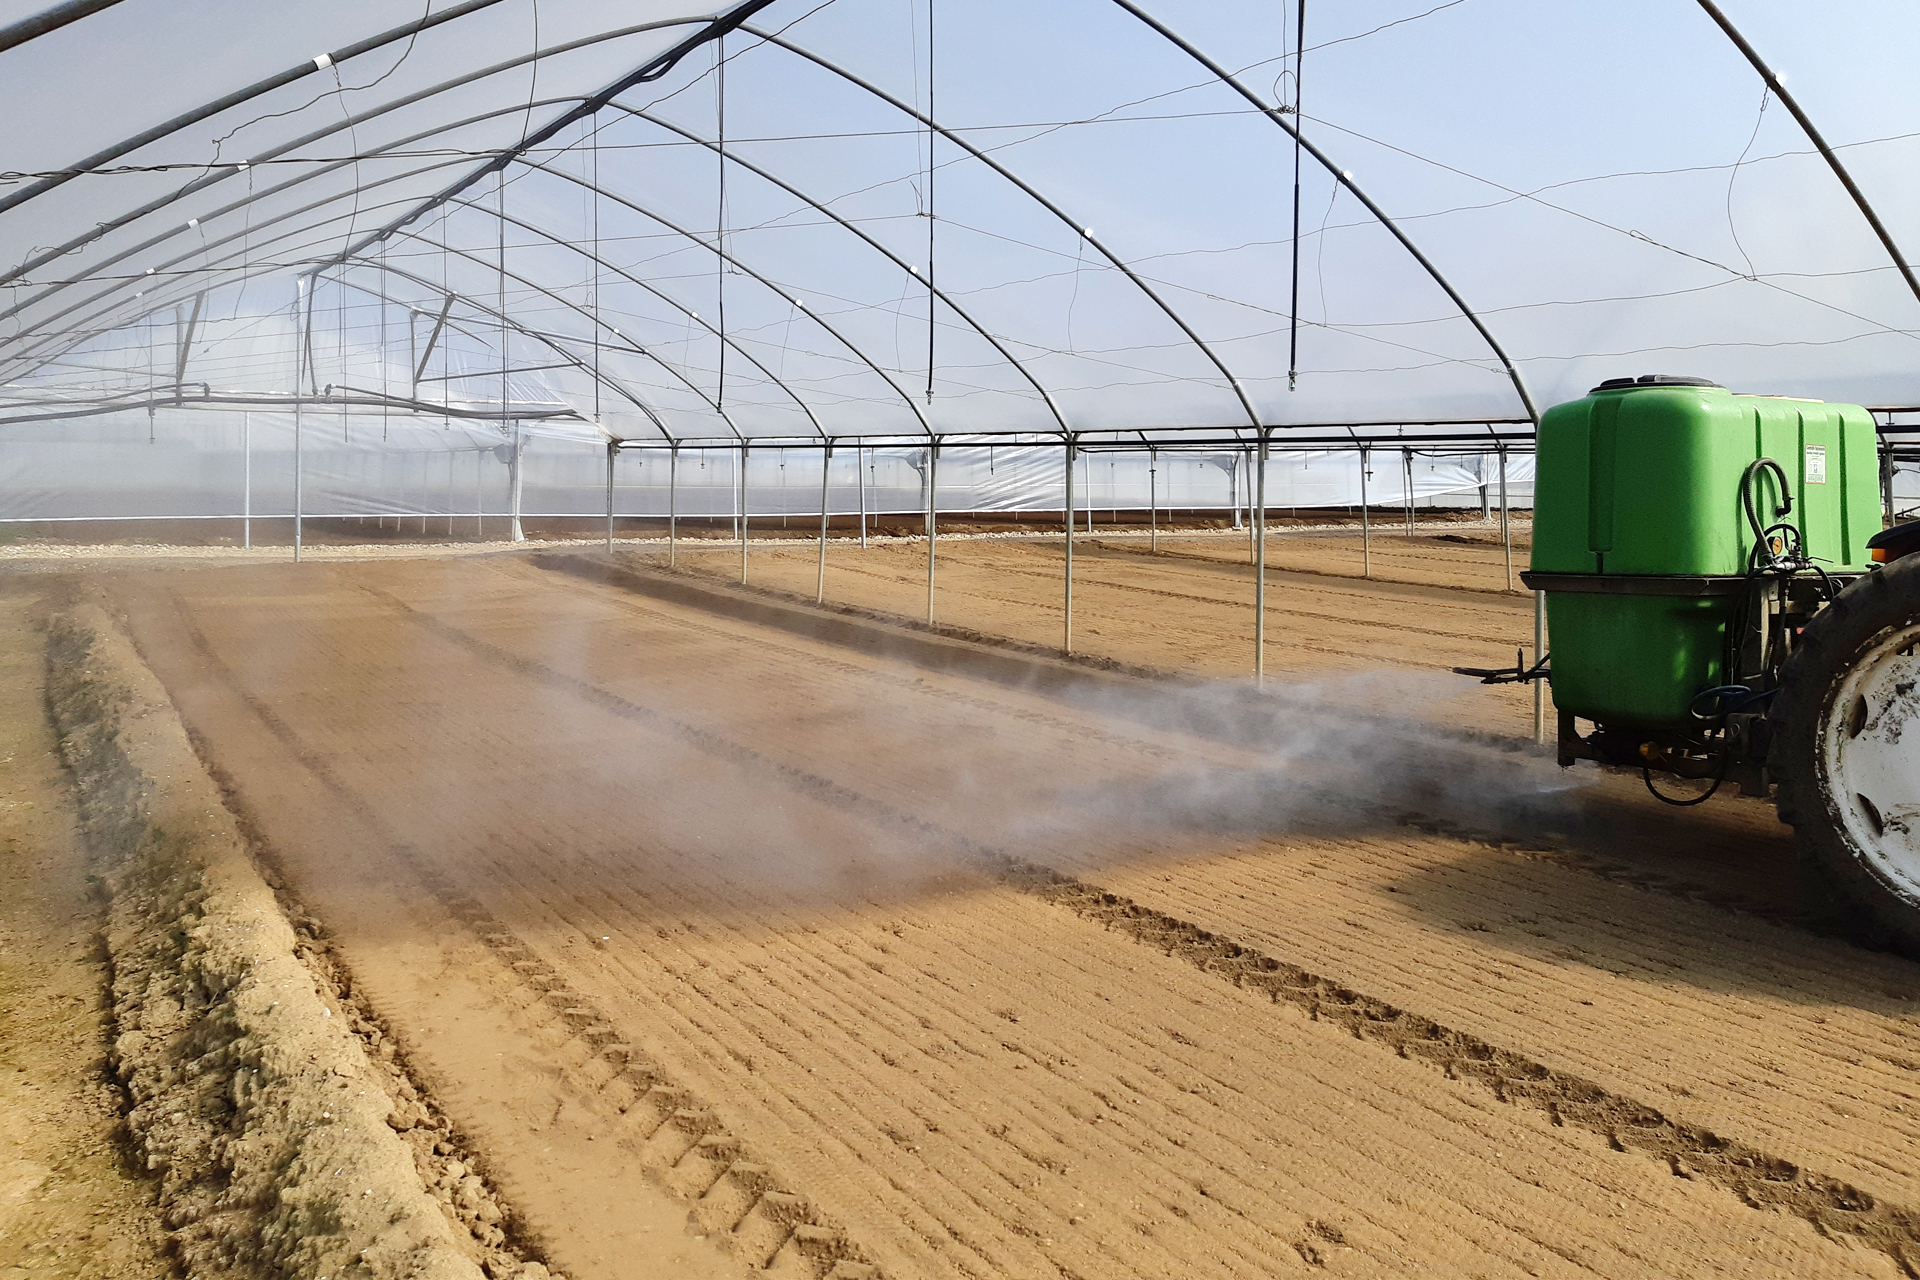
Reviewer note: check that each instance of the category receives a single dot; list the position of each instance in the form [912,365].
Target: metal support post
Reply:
[1251,483]
[299,372]
[860,482]
[515,535]
[743,513]
[673,484]
[246,485]
[1153,499]
[1406,459]
[933,519]
[612,449]
[299,479]
[1260,570]
[826,463]
[1506,530]
[1067,641]
[1366,520]
[1539,648]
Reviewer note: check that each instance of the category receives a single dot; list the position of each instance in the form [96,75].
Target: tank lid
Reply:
[1655,380]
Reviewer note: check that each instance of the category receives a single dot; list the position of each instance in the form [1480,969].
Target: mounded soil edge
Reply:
[282,1147]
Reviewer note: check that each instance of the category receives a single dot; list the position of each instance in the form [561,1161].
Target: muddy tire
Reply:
[1846,757]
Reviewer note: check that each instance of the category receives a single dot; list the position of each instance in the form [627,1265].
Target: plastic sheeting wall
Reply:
[185,463]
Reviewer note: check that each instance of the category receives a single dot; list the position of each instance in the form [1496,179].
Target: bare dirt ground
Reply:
[1434,602]
[69,1205]
[698,929]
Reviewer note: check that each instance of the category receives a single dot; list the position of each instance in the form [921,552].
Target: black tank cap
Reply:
[1655,380]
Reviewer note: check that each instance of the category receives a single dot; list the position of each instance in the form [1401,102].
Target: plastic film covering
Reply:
[886,223]
[189,465]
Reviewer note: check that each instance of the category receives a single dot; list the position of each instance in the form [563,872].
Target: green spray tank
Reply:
[1724,605]
[1642,538]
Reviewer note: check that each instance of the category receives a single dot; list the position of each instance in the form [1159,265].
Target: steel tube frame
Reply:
[1366,519]
[1080,229]
[826,464]
[551,341]
[673,485]
[1342,177]
[729,260]
[653,69]
[613,449]
[244,234]
[246,484]
[1067,641]
[311,66]
[303,328]
[848,225]
[1506,531]
[1153,500]
[1260,571]
[1805,122]
[933,518]
[561,242]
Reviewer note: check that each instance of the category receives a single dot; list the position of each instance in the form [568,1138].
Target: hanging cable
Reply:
[931,117]
[1293,310]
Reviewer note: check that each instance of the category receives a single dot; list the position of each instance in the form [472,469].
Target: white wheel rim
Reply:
[1870,753]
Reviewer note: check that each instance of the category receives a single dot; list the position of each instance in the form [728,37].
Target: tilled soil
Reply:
[72,1201]
[709,936]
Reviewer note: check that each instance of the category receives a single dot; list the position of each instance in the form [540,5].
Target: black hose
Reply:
[1753,519]
[1720,776]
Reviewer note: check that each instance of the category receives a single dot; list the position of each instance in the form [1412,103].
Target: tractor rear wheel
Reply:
[1846,755]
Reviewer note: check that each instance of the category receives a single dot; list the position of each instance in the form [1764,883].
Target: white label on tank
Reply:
[1816,464]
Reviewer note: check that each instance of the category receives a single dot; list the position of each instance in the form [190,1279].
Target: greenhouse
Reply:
[758,242]
[896,639]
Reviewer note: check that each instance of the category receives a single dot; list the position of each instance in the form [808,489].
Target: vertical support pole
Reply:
[860,480]
[1260,570]
[1153,499]
[1252,535]
[1366,518]
[613,450]
[1233,489]
[1067,639]
[933,518]
[1406,460]
[743,513]
[1506,530]
[1539,647]
[246,484]
[673,501]
[826,465]
[515,535]
[299,360]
